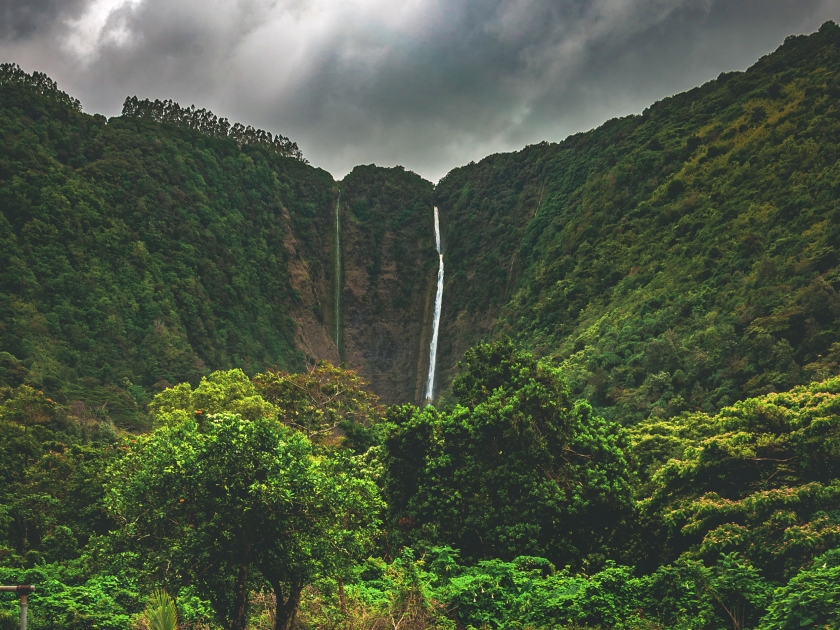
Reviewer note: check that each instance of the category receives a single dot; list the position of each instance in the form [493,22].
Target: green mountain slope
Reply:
[140,252]
[135,255]
[388,285]
[680,259]
[677,260]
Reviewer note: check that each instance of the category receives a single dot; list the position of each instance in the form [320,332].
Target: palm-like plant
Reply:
[161,613]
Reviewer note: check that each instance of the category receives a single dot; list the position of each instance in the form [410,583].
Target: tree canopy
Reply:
[519,470]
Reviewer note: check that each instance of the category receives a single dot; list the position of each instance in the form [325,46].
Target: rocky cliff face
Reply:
[388,265]
[386,272]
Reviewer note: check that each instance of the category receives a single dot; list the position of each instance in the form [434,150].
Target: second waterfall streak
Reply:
[430,384]
[337,271]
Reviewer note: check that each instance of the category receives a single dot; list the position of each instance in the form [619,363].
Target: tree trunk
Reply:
[240,606]
[287,597]
[342,598]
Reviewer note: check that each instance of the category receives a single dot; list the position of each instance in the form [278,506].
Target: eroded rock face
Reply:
[388,272]
[309,280]
[389,264]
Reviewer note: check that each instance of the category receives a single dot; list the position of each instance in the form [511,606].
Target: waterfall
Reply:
[430,386]
[337,270]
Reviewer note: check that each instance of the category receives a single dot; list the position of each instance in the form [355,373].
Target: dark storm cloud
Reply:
[429,84]
[23,18]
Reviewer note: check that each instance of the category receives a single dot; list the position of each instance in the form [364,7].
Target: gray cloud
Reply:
[429,84]
[23,18]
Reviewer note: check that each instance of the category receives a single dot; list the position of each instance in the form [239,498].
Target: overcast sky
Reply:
[428,84]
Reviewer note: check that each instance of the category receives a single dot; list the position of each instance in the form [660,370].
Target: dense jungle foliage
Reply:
[296,501]
[135,255]
[674,261]
[655,445]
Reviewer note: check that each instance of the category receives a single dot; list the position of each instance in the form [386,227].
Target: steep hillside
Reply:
[680,259]
[142,251]
[389,268]
[677,260]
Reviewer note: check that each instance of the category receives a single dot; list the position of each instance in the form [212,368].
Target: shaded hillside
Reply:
[135,255]
[389,269]
[680,259]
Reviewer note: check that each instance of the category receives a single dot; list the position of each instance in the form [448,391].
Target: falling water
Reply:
[337,269]
[430,386]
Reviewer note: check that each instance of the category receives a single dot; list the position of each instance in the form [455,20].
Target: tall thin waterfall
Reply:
[337,270]
[430,385]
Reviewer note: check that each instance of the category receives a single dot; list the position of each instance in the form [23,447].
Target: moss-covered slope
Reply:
[136,254]
[389,267]
[680,259]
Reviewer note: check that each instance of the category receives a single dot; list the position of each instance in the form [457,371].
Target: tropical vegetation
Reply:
[648,437]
